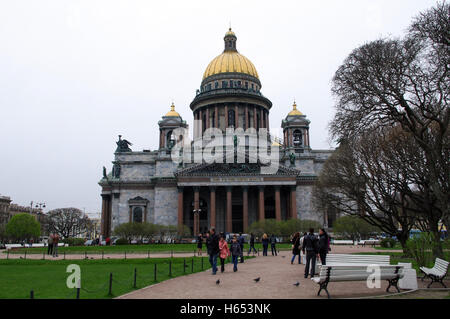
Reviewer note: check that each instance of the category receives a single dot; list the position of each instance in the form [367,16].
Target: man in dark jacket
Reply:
[241,241]
[252,244]
[273,242]
[323,245]
[212,244]
[310,245]
[235,252]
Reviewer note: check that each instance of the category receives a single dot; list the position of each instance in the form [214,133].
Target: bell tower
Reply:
[296,131]
[171,121]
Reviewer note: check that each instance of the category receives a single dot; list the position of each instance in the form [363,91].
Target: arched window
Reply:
[231,118]
[298,138]
[137,214]
[170,140]
[216,84]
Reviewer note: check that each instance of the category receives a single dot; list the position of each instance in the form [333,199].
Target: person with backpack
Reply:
[311,248]
[273,242]
[235,252]
[265,244]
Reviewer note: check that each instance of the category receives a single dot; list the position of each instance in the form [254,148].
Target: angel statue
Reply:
[122,145]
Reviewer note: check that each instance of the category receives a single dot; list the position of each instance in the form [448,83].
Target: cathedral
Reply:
[177,185]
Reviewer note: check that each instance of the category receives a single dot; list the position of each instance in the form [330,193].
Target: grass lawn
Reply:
[48,278]
[119,249]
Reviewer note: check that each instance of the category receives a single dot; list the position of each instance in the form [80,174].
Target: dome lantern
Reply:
[230,41]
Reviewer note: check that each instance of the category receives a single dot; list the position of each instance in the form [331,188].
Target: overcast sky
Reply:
[75,74]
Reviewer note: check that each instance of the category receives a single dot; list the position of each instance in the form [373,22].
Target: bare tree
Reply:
[67,222]
[404,82]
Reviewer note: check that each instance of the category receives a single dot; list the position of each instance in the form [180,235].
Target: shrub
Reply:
[420,248]
[122,241]
[23,226]
[388,242]
[74,241]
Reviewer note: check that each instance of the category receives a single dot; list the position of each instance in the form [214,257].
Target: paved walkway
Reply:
[277,279]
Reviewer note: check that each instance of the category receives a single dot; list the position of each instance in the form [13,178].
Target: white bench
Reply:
[437,273]
[391,273]
[342,242]
[357,260]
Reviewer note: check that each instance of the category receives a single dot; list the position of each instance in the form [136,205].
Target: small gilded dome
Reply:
[230,33]
[294,110]
[230,61]
[172,112]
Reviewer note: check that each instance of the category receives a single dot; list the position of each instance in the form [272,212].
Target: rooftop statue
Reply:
[122,145]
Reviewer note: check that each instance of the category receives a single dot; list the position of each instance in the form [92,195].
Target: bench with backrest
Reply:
[437,273]
[391,273]
[350,259]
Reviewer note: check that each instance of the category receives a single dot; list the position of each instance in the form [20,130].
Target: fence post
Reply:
[64,253]
[135,275]
[7,254]
[194,252]
[103,254]
[184,265]
[155,272]
[192,265]
[170,268]
[148,253]
[78,292]
[171,254]
[125,254]
[25,255]
[110,284]
[32,294]
[202,262]
[85,254]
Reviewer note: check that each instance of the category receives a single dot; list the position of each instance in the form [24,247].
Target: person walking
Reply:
[50,245]
[301,245]
[55,245]
[213,249]
[273,242]
[295,247]
[199,244]
[252,244]
[235,253]
[224,252]
[265,244]
[324,245]
[310,245]
[241,241]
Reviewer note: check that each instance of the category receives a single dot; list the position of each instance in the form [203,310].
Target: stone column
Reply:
[196,208]
[246,125]
[200,116]
[267,120]
[207,118]
[261,118]
[226,117]
[293,203]
[180,208]
[236,117]
[255,117]
[213,206]
[216,115]
[229,216]
[245,207]
[277,203]
[106,223]
[130,213]
[261,207]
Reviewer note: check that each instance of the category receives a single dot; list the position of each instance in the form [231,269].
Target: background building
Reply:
[149,186]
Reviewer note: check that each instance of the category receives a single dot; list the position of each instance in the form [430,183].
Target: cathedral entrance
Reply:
[237,214]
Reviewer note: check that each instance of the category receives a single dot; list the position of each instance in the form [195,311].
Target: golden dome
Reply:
[230,61]
[172,111]
[294,110]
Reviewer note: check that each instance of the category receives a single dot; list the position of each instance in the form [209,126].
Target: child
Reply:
[224,252]
[235,252]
